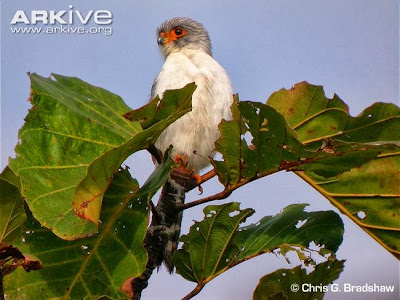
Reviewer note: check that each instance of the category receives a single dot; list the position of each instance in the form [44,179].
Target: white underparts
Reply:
[194,134]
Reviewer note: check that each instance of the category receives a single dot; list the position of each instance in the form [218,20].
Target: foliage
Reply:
[94,266]
[286,283]
[74,139]
[93,216]
[368,193]
[12,209]
[217,243]
[352,161]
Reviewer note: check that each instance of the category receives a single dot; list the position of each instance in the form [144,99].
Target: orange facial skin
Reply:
[173,35]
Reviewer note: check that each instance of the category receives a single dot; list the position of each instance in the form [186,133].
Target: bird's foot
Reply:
[182,163]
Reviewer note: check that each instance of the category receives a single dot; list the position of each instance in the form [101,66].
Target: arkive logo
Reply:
[62,17]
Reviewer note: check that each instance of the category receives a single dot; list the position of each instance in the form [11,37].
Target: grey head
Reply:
[182,33]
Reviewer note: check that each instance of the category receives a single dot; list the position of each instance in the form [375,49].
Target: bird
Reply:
[186,47]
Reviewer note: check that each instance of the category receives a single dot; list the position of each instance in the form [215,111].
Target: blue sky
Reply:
[351,47]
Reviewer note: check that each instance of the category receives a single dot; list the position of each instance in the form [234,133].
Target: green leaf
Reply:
[269,136]
[354,162]
[370,196]
[370,192]
[306,109]
[297,284]
[258,142]
[156,111]
[96,266]
[11,207]
[73,141]
[294,227]
[208,245]
[217,244]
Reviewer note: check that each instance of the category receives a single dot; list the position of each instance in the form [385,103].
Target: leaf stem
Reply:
[195,291]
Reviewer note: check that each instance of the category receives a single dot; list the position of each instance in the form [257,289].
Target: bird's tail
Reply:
[161,240]
[169,215]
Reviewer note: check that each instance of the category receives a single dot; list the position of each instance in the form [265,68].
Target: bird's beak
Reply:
[166,38]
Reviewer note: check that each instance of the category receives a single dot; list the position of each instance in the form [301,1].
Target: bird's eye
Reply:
[178,31]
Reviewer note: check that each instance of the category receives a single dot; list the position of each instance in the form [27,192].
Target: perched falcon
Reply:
[186,47]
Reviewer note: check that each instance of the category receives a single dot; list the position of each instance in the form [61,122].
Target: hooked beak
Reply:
[166,38]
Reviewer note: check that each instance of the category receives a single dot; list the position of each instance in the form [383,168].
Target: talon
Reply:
[199,180]
[200,189]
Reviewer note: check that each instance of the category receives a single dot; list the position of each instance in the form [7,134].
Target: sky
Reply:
[351,47]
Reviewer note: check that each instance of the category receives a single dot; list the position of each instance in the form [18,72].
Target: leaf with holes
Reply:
[369,193]
[74,139]
[217,243]
[98,265]
[259,142]
[302,130]
[208,246]
[269,137]
[288,283]
[294,227]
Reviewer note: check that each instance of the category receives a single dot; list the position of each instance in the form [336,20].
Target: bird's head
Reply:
[182,33]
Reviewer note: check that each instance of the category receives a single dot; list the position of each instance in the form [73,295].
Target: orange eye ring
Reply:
[173,35]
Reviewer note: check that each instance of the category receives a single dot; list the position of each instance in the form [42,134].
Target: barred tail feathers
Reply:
[170,217]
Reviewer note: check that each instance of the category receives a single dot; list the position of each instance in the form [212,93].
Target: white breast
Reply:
[194,134]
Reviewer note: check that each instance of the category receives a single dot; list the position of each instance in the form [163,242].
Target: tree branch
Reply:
[207,176]
[227,191]
[218,196]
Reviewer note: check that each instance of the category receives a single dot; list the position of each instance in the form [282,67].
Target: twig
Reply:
[218,196]
[226,192]
[207,176]
[193,293]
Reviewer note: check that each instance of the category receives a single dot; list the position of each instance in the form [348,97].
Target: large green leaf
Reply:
[74,139]
[208,245]
[258,142]
[11,207]
[368,194]
[296,284]
[293,226]
[268,132]
[217,243]
[97,266]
